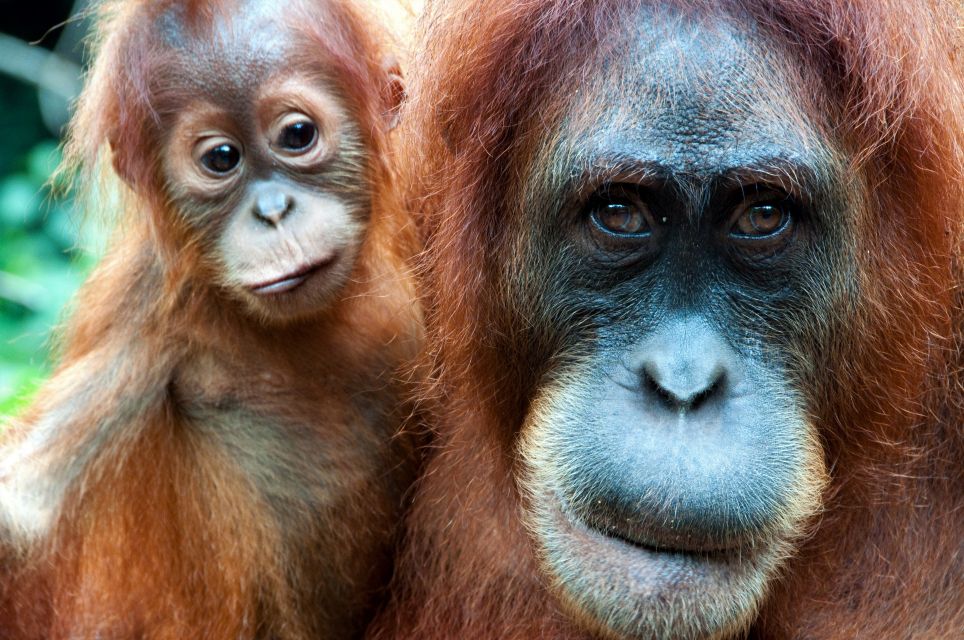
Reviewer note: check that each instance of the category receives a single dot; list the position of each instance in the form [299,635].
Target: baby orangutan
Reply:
[216,455]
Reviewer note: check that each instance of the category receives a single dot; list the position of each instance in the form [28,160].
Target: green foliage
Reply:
[20,124]
[41,265]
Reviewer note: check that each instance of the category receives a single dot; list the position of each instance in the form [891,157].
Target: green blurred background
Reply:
[45,252]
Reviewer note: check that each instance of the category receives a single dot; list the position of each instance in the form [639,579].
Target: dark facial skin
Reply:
[267,166]
[697,230]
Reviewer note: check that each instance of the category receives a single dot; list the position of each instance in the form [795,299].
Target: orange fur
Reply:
[189,471]
[884,560]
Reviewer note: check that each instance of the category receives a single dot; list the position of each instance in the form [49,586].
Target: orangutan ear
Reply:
[394,93]
[120,161]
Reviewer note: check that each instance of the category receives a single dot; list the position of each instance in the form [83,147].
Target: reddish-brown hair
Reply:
[490,79]
[149,522]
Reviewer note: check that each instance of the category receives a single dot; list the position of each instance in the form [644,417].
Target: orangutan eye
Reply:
[294,134]
[218,156]
[297,136]
[762,221]
[222,159]
[619,227]
[621,218]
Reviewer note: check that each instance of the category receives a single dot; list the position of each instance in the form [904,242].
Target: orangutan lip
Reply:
[646,545]
[291,281]
[660,549]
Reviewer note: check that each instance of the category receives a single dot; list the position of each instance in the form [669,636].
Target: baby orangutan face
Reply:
[271,173]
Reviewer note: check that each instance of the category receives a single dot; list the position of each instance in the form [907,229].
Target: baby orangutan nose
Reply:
[272,204]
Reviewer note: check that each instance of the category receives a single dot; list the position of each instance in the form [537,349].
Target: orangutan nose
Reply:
[272,204]
[683,365]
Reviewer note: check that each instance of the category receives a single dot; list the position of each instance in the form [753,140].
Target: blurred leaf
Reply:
[19,200]
[20,390]
[42,262]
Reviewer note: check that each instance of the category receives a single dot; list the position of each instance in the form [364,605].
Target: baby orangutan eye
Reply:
[296,134]
[218,156]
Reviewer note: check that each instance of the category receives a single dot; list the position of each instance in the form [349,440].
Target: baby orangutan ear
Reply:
[394,93]
[121,161]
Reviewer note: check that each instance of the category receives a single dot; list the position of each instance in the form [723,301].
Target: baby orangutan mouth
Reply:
[291,281]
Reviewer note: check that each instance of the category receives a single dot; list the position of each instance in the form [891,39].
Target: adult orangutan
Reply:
[216,456]
[693,284]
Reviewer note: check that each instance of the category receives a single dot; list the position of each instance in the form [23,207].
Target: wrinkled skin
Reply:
[671,462]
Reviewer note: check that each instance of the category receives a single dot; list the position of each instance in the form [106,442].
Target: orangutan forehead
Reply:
[227,54]
[691,94]
[248,33]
